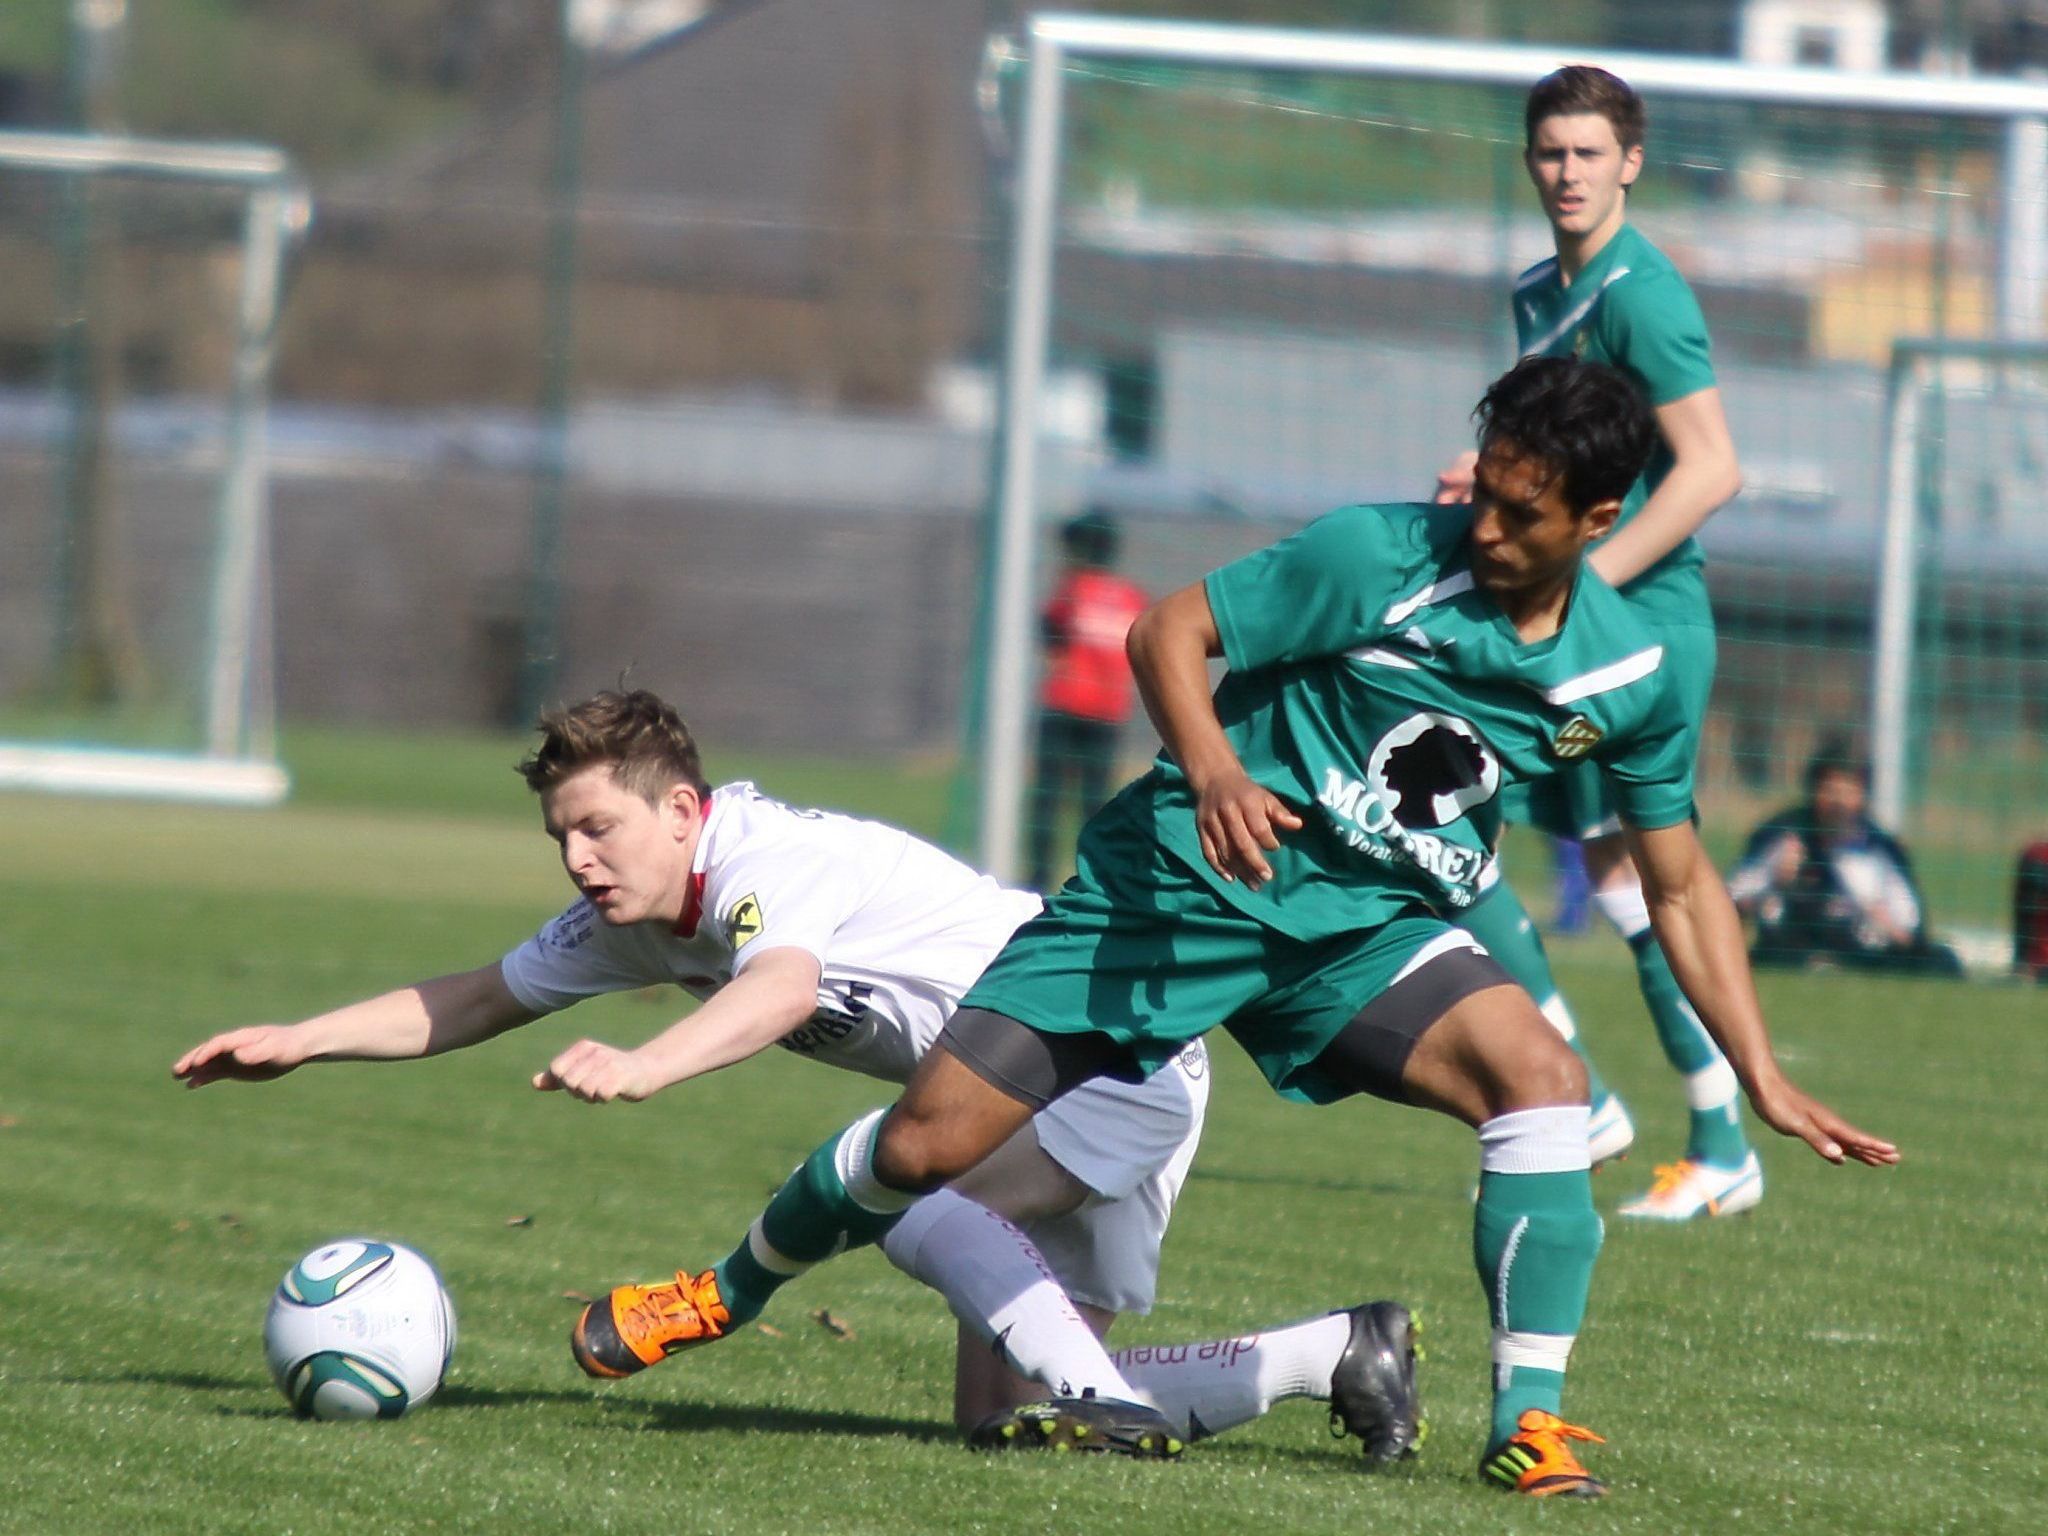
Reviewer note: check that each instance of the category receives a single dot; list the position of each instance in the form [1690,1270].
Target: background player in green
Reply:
[1286,868]
[1611,296]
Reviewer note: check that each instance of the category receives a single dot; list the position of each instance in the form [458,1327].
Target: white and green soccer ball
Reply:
[359,1329]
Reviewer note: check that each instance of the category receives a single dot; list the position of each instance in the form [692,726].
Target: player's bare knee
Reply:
[1545,1072]
[911,1154]
[1523,1063]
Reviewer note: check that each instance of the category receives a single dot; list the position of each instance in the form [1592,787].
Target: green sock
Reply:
[812,1217]
[1499,921]
[1715,1134]
[1534,1239]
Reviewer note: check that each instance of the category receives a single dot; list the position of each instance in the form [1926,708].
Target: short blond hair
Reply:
[639,734]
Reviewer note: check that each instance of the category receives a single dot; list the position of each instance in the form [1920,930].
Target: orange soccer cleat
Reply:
[1537,1459]
[642,1325]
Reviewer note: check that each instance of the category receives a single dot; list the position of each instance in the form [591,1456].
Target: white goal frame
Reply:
[238,763]
[1917,372]
[1051,39]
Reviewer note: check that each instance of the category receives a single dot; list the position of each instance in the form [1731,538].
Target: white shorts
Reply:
[1132,1144]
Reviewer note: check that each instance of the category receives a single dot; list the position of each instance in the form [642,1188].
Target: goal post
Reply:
[145,461]
[1213,207]
[1959,668]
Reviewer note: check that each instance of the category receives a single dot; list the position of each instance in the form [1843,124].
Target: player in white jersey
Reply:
[852,942]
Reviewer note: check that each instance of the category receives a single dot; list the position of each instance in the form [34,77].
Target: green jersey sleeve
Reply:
[1322,591]
[1649,768]
[1655,331]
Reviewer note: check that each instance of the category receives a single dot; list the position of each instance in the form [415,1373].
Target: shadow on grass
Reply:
[638,1414]
[698,1418]
[762,1418]
[1297,1181]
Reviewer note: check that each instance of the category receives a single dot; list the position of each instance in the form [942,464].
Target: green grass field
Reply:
[1857,1356]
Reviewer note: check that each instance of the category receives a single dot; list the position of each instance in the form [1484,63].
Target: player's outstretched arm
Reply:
[421,1020]
[775,993]
[1697,925]
[1238,821]
[1704,477]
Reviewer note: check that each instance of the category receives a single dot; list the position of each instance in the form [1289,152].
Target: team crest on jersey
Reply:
[1576,737]
[745,921]
[1431,769]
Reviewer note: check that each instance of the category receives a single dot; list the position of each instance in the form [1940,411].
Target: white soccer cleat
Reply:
[1609,1132]
[1687,1189]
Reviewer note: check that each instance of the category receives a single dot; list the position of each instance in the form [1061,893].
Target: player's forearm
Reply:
[1701,935]
[1693,492]
[426,1019]
[1169,651]
[741,1021]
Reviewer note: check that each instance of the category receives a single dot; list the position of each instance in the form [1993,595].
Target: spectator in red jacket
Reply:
[1086,696]
[2030,913]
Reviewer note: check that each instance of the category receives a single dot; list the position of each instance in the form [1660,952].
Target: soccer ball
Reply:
[359,1329]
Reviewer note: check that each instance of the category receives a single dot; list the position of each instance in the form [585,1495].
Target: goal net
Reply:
[135,337]
[1278,266]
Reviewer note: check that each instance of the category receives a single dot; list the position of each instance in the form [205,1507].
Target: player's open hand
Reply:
[596,1073]
[1239,823]
[1788,1111]
[1454,481]
[254,1054]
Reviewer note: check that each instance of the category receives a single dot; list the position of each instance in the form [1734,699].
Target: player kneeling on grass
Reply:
[850,943]
[1287,869]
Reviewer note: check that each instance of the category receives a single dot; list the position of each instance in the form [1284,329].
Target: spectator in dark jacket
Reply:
[1825,885]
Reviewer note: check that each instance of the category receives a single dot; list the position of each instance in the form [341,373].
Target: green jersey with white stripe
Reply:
[1628,308]
[1373,687]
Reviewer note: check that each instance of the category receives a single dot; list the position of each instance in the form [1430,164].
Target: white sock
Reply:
[1208,1388]
[999,1285]
[1560,1016]
[1626,907]
[1545,1140]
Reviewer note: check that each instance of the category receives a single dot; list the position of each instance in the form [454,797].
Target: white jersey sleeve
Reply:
[900,929]
[781,891]
[579,955]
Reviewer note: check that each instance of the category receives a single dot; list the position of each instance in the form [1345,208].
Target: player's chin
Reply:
[1493,581]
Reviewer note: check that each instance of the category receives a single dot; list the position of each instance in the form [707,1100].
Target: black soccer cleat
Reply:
[1090,1423]
[1372,1390]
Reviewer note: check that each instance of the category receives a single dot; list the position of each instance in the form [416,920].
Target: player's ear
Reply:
[1631,164]
[1597,521]
[685,804]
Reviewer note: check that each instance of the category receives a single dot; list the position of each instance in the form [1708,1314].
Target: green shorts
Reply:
[1575,802]
[1139,948]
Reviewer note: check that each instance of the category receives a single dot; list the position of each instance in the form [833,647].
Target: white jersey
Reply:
[900,930]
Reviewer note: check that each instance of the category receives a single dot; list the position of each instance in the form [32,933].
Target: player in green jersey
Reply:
[1290,869]
[1611,296]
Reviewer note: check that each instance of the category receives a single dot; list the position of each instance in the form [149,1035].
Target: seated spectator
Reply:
[1826,886]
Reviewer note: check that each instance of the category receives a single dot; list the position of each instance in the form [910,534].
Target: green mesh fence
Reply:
[1280,292]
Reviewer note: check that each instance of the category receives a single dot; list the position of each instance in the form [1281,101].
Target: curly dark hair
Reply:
[1587,422]
[638,733]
